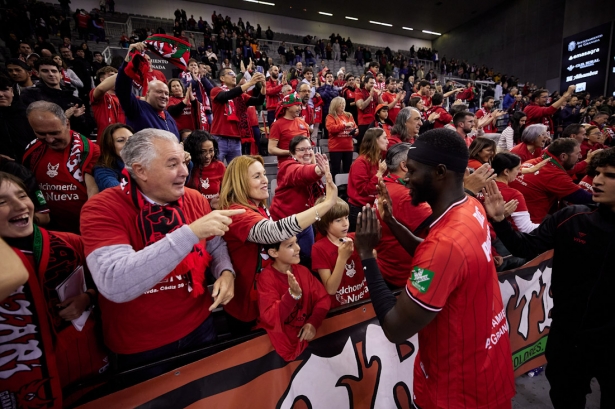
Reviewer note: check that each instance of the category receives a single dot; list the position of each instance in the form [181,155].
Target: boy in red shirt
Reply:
[105,104]
[292,303]
[286,127]
[335,259]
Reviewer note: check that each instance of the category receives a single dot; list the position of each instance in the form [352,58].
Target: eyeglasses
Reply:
[309,148]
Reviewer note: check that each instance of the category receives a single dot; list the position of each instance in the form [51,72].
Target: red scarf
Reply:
[65,76]
[155,221]
[229,110]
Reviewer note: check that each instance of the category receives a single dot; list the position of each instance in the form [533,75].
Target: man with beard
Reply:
[274,92]
[393,99]
[152,112]
[537,111]
[552,183]
[452,297]
[286,127]
[464,123]
[307,112]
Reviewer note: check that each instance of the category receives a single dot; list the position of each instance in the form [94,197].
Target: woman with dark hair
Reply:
[365,172]
[207,172]
[512,134]
[506,166]
[108,169]
[69,77]
[185,108]
[59,352]
[482,150]
[299,186]
[589,115]
[89,57]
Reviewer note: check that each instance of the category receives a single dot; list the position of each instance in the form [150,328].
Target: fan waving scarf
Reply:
[173,49]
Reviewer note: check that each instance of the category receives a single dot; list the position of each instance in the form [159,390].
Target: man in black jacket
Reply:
[15,131]
[580,343]
[51,88]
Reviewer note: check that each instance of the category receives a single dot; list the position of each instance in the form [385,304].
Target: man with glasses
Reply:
[307,112]
[538,113]
[140,114]
[288,124]
[228,103]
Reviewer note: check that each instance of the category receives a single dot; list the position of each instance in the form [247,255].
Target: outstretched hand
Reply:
[476,181]
[368,232]
[295,289]
[494,202]
[385,206]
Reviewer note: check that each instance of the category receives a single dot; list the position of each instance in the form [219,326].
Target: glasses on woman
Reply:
[309,148]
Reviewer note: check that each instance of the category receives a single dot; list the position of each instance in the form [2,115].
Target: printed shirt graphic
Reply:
[454,275]
[353,286]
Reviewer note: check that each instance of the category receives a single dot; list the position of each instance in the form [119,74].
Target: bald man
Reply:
[151,113]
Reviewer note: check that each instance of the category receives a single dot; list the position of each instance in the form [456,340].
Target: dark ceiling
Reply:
[434,15]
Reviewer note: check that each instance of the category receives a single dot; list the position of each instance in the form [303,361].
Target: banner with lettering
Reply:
[350,365]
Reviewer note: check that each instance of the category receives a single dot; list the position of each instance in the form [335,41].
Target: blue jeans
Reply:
[228,148]
[270,117]
[200,337]
[310,61]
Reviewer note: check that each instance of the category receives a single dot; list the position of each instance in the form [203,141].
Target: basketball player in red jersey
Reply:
[452,297]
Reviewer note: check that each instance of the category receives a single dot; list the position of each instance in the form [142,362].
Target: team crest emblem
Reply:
[350,270]
[52,170]
[205,183]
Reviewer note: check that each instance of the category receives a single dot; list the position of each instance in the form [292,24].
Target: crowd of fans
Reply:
[173,195]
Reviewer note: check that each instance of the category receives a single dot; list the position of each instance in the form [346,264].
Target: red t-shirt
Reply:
[586,148]
[282,316]
[362,182]
[107,111]
[208,180]
[246,257]
[353,286]
[366,115]
[61,178]
[487,128]
[284,130]
[161,315]
[464,359]
[221,125]
[509,193]
[543,188]
[444,119]
[426,99]
[388,98]
[540,115]
[340,139]
[525,155]
[296,191]
[586,183]
[184,120]
[393,260]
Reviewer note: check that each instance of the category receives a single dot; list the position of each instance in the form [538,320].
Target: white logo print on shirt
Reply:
[350,271]
[205,183]
[52,170]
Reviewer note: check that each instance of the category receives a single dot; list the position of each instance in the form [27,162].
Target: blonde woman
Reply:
[341,128]
[244,186]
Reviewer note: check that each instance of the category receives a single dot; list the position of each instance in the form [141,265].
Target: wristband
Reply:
[296,298]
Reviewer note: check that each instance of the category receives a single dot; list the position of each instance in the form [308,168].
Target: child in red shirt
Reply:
[334,258]
[291,302]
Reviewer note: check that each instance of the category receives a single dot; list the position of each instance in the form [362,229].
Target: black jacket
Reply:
[583,278]
[15,131]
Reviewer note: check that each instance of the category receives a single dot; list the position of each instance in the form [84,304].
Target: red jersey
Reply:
[393,139]
[544,187]
[444,119]
[539,115]
[318,104]
[353,286]
[587,148]
[391,255]
[107,111]
[282,316]
[367,114]
[61,178]
[388,98]
[487,128]
[340,139]
[464,360]
[225,122]
[207,180]
[248,259]
[509,193]
[426,99]
[252,116]
[184,120]
[298,189]
[274,93]
[362,182]
[284,130]
[523,152]
[166,312]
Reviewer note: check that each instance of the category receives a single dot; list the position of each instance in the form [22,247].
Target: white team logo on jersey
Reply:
[350,271]
[205,183]
[52,170]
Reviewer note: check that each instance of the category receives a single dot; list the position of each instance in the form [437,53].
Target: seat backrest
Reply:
[341,181]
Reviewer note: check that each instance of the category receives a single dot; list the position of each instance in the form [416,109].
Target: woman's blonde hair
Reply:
[335,103]
[236,183]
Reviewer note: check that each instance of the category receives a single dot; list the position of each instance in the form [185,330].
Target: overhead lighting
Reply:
[407,28]
[351,18]
[325,14]
[381,24]
[260,2]
[431,32]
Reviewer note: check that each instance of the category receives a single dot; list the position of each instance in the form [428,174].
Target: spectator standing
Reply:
[367,98]
[105,104]
[537,111]
[288,124]
[327,92]
[274,92]
[341,129]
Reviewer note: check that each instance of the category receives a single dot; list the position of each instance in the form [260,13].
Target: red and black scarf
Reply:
[155,221]
[229,111]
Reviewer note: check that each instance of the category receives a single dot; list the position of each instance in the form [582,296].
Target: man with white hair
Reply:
[152,112]
[148,243]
